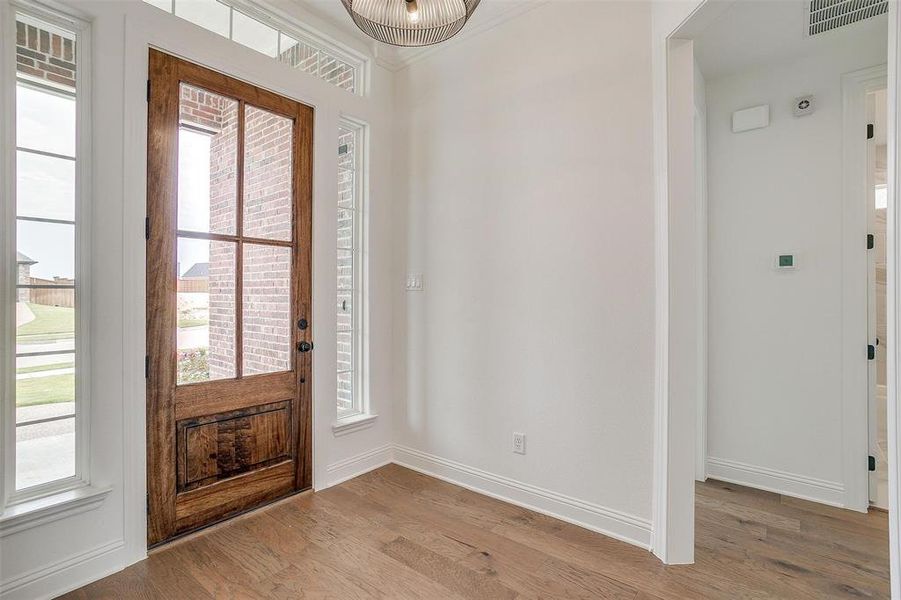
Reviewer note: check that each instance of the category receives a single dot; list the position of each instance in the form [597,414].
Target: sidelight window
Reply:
[49,263]
[350,278]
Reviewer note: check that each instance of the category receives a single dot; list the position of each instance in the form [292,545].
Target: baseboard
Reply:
[627,528]
[780,482]
[357,465]
[50,581]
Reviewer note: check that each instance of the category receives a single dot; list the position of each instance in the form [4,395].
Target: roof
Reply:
[201,269]
[22,259]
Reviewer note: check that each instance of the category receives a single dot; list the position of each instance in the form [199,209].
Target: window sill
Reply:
[40,511]
[352,424]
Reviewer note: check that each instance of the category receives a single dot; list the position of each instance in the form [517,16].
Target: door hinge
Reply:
[871,241]
[146,367]
[146,228]
[148,92]
[871,132]
[871,352]
[871,463]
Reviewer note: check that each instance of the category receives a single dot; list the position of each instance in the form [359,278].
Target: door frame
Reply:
[856,305]
[673,497]
[162,406]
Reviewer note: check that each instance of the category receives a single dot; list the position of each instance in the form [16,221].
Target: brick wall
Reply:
[45,55]
[267,206]
[267,214]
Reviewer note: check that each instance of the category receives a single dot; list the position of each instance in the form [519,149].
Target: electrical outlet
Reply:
[414,282]
[519,443]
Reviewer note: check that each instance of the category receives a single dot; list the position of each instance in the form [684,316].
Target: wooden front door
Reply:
[229,189]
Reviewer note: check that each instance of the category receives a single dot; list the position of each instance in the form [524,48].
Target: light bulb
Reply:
[412,11]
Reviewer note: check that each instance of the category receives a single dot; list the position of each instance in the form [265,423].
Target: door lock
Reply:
[302,324]
[304,346]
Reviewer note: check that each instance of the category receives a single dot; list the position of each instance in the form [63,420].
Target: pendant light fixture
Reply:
[410,22]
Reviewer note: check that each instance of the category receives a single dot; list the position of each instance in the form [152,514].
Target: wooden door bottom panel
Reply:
[224,445]
[225,498]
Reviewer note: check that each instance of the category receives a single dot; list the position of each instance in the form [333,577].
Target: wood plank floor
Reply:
[394,533]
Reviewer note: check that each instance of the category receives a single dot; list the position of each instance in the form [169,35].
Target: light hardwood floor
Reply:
[394,533]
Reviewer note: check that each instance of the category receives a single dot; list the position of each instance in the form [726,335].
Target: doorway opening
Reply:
[769,235]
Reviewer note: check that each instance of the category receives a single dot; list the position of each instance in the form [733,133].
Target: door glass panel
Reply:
[267,174]
[206,310]
[267,309]
[207,161]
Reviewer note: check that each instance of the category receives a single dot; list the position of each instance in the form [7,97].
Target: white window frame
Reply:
[362,416]
[287,25]
[11,498]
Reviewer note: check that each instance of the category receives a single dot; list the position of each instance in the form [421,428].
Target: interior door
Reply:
[228,296]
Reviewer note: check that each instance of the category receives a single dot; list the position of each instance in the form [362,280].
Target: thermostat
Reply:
[786,262]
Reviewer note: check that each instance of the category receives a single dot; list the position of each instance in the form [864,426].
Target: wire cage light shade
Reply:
[410,22]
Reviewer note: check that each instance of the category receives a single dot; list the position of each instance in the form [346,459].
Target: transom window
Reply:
[256,28]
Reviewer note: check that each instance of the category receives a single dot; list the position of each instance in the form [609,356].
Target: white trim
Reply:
[7,272]
[780,482]
[855,297]
[50,581]
[355,466]
[41,511]
[352,424]
[700,137]
[594,517]
[893,301]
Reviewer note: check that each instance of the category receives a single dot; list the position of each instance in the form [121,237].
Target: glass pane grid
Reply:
[45,380]
[265,38]
[349,401]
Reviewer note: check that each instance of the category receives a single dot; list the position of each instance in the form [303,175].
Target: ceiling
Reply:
[748,33]
[489,13]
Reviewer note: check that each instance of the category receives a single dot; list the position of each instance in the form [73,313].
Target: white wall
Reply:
[775,338]
[50,559]
[530,213]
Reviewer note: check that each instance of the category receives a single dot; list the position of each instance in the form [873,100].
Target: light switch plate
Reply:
[414,282]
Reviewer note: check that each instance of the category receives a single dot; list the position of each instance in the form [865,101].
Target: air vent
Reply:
[826,15]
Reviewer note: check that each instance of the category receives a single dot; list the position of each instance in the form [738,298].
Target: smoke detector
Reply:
[826,15]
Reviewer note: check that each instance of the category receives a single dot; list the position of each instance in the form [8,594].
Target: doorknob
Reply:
[304,346]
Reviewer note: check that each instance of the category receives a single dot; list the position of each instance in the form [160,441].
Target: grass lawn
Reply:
[191,322]
[50,323]
[39,368]
[45,390]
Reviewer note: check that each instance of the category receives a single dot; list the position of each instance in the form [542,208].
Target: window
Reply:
[50,390]
[351,283]
[249,25]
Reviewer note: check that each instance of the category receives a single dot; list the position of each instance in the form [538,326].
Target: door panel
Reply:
[228,278]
